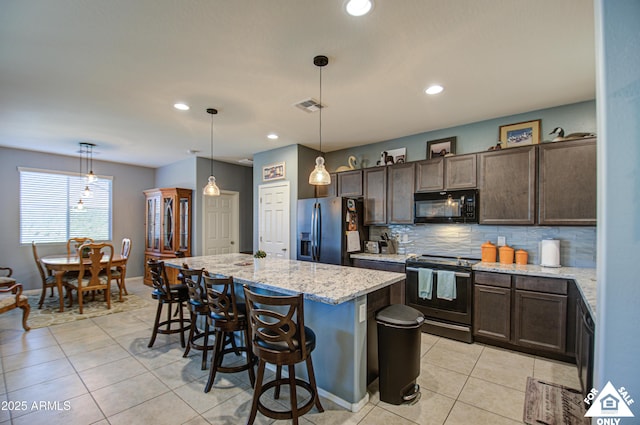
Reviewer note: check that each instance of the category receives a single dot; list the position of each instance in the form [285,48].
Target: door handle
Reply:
[284,249]
[232,243]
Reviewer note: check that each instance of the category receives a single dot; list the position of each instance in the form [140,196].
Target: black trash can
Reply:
[399,353]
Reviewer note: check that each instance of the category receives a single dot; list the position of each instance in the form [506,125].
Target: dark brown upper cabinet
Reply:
[507,183]
[567,186]
[350,183]
[449,173]
[375,195]
[400,189]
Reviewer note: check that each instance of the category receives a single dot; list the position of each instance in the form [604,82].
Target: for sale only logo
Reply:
[609,405]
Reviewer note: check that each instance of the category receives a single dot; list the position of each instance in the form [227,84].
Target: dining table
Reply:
[59,265]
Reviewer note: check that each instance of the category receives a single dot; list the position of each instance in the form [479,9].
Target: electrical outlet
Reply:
[502,241]
[363,313]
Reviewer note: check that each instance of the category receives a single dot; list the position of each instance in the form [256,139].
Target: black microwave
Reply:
[455,206]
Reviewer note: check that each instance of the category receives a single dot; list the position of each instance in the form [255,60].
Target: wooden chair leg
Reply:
[79,299]
[44,292]
[293,394]
[250,358]
[257,392]
[155,325]
[191,332]
[25,315]
[181,325]
[276,394]
[107,296]
[216,359]
[205,348]
[312,381]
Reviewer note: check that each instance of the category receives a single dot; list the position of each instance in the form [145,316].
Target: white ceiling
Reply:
[108,72]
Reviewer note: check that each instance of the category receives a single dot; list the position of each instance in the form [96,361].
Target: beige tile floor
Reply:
[104,371]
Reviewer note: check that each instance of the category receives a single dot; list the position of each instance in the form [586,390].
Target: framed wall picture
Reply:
[273,172]
[520,134]
[441,147]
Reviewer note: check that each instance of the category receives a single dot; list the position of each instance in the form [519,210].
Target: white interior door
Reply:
[273,226]
[221,223]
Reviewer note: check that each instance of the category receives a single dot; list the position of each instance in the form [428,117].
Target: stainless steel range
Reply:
[447,305]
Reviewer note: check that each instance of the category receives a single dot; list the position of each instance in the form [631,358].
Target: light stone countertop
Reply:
[390,258]
[326,283]
[585,278]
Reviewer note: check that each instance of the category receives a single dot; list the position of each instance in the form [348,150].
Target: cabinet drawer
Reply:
[542,284]
[493,279]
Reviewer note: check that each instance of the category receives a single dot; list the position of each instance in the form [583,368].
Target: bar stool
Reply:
[227,316]
[198,307]
[171,295]
[279,337]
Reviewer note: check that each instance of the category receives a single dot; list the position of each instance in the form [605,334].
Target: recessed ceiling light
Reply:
[272,136]
[359,7]
[435,89]
[181,106]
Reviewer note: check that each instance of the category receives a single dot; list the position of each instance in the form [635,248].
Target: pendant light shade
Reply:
[320,176]
[211,188]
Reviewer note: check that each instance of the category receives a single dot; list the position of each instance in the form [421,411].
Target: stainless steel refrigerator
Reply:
[325,224]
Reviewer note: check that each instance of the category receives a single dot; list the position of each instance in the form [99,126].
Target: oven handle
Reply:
[458,274]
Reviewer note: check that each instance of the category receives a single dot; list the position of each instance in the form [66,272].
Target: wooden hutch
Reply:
[167,227]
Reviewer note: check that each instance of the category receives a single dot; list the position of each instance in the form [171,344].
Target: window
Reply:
[48,207]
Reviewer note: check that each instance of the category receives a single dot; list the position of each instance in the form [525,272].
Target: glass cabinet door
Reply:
[168,224]
[184,224]
[153,224]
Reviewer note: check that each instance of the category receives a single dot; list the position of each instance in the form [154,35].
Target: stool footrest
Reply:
[287,414]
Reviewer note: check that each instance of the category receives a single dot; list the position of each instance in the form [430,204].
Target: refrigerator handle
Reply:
[313,232]
[318,230]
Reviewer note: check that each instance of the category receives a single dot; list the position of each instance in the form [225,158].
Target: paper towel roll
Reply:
[550,253]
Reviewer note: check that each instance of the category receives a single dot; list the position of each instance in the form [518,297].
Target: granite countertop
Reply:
[585,278]
[326,283]
[390,258]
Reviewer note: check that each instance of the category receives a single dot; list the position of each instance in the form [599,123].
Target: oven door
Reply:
[457,311]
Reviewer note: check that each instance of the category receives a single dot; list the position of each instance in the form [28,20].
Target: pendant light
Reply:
[211,189]
[90,176]
[86,149]
[320,176]
[80,205]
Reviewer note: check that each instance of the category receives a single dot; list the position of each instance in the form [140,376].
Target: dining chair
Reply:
[48,280]
[118,272]
[94,274]
[74,243]
[11,296]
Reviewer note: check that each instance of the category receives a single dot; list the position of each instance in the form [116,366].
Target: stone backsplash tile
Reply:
[577,244]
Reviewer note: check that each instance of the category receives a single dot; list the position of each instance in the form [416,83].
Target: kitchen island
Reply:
[335,308]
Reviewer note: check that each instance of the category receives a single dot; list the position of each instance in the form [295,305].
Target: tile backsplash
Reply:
[577,244]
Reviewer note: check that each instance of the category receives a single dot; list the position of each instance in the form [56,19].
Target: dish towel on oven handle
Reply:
[425,283]
[446,289]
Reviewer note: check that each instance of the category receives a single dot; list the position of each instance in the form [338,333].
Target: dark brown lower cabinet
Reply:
[492,312]
[540,320]
[524,313]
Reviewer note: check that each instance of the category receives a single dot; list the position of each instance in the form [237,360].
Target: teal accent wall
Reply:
[618,93]
[474,137]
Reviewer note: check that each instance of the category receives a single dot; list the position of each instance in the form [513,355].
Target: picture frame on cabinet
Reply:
[520,134]
[441,147]
[273,172]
